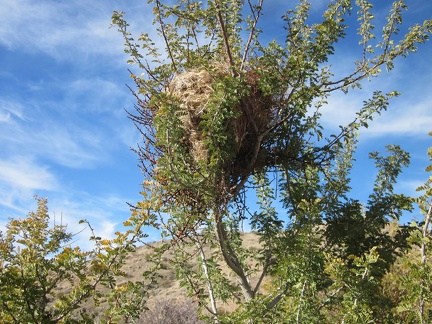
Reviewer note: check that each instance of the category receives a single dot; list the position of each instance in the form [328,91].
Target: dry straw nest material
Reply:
[194,89]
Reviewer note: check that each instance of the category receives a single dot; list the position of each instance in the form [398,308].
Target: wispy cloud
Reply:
[20,178]
[410,114]
[98,95]
[71,128]
[10,111]
[105,213]
[25,174]
[409,119]
[65,144]
[57,28]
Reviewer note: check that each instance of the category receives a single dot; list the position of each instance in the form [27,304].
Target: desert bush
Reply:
[44,279]
[171,311]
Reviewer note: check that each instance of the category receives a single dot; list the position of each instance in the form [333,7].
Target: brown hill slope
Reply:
[167,301]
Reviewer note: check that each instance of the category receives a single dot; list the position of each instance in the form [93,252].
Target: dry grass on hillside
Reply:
[167,300]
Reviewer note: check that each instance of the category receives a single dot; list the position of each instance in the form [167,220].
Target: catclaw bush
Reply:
[171,311]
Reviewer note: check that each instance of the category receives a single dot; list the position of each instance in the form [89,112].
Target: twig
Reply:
[224,35]
[252,31]
[162,26]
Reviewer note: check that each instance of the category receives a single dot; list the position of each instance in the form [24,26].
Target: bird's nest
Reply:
[194,89]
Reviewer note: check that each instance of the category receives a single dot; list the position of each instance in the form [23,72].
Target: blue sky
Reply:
[64,133]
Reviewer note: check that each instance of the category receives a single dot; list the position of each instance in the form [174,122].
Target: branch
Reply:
[207,276]
[331,296]
[300,302]
[267,264]
[423,258]
[224,35]
[162,25]
[231,258]
[276,300]
[252,31]
[425,234]
[234,190]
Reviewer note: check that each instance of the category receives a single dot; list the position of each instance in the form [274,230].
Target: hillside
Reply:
[167,300]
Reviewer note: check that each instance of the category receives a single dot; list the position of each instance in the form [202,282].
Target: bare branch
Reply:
[224,35]
[162,26]
[252,30]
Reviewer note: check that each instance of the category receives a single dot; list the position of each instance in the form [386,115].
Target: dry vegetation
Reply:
[168,302]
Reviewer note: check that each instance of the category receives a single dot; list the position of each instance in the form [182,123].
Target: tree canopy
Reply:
[226,115]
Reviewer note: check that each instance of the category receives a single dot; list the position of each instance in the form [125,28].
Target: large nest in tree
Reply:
[194,89]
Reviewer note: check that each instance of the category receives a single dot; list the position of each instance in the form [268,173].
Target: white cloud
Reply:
[105,211]
[4,116]
[9,111]
[22,173]
[408,187]
[67,144]
[415,119]
[410,114]
[58,28]
[105,214]
[72,127]
[104,219]
[97,95]
[98,86]
[20,179]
